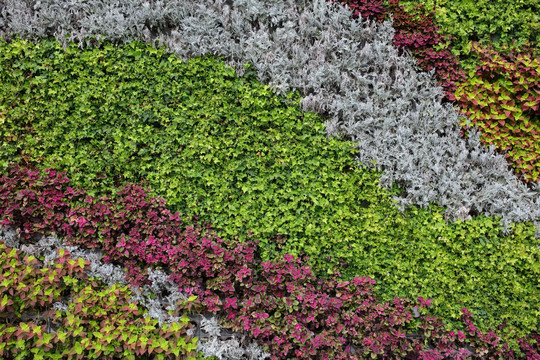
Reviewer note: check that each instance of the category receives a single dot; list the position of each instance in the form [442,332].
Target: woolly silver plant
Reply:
[347,70]
[230,346]
[159,298]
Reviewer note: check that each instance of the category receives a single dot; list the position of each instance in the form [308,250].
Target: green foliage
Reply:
[463,264]
[220,147]
[99,322]
[486,21]
[228,150]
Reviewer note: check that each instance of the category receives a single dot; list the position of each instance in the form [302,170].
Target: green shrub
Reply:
[228,150]
[463,264]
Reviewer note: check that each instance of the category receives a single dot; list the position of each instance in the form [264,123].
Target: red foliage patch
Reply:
[503,100]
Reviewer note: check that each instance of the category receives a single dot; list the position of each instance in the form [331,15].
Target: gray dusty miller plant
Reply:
[347,70]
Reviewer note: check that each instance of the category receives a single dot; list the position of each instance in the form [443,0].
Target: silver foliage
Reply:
[347,70]
[159,298]
[224,344]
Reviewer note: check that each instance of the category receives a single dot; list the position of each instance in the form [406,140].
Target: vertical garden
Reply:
[282,180]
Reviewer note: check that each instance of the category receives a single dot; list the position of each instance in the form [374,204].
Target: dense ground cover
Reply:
[416,31]
[502,98]
[159,298]
[496,23]
[347,70]
[483,231]
[250,162]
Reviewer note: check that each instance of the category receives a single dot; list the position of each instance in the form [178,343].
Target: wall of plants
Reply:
[251,164]
[282,218]
[374,92]
[489,22]
[280,303]
[99,322]
[159,298]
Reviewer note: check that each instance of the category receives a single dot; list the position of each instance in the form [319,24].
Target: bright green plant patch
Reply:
[221,147]
[228,150]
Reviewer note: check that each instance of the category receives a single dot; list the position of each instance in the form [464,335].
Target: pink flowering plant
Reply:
[280,303]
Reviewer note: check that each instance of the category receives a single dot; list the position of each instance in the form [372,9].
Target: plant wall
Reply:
[416,31]
[497,22]
[347,70]
[360,109]
[252,164]
[428,35]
